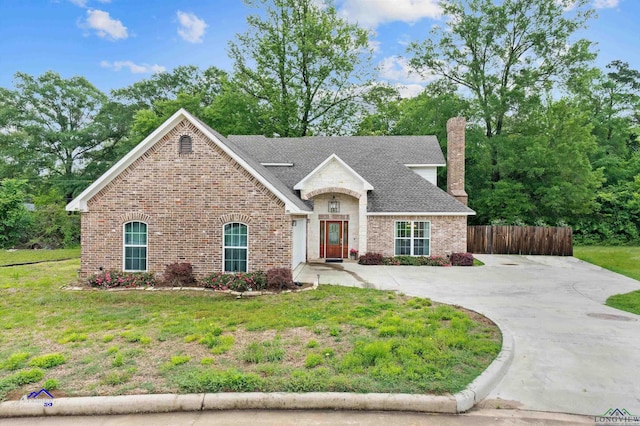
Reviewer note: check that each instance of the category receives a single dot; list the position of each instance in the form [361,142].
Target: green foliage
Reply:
[51,384]
[115,378]
[54,227]
[313,360]
[503,53]
[268,351]
[14,381]
[58,131]
[180,359]
[15,361]
[14,218]
[199,381]
[304,63]
[48,360]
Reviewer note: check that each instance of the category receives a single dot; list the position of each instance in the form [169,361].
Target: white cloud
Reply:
[83,3]
[374,45]
[409,90]
[603,4]
[191,27]
[370,13]
[396,68]
[133,67]
[105,26]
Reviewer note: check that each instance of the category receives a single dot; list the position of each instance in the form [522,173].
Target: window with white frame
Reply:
[135,246]
[235,247]
[412,238]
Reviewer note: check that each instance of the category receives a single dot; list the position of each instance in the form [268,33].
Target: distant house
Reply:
[246,203]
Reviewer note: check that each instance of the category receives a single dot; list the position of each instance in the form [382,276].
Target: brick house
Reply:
[246,203]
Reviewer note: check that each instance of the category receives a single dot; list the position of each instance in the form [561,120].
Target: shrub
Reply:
[111,279]
[461,259]
[371,259]
[179,274]
[279,278]
[240,281]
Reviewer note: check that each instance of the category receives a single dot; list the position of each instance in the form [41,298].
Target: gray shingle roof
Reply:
[378,159]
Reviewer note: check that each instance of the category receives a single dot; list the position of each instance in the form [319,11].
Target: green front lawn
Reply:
[330,339]
[25,256]
[620,259]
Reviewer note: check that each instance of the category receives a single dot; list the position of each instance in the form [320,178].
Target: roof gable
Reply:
[292,203]
[333,158]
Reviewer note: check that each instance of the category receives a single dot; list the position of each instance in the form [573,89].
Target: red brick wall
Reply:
[448,233]
[185,199]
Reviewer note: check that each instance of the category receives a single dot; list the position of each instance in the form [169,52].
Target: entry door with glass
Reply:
[335,235]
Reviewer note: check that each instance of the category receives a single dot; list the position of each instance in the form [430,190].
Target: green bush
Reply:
[15,220]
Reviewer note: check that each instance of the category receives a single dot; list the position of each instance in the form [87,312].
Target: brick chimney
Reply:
[455,158]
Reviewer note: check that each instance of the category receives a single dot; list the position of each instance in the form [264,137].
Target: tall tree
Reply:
[304,63]
[165,86]
[501,52]
[55,128]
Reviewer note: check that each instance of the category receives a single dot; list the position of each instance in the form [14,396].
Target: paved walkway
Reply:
[573,354]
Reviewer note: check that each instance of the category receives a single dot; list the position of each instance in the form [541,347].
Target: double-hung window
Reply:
[135,246]
[412,238]
[235,247]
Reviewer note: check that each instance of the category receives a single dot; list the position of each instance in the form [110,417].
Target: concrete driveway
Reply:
[573,354]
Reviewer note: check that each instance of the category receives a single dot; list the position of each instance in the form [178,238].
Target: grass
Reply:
[25,256]
[620,259]
[331,339]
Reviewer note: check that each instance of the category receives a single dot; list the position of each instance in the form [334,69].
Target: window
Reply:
[135,246]
[235,247]
[184,146]
[412,238]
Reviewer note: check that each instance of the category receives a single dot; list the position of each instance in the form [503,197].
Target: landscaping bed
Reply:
[332,339]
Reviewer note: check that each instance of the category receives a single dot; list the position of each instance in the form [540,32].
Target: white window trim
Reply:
[224,247]
[411,237]
[125,245]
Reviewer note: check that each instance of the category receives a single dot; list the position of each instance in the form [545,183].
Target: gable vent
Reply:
[184,146]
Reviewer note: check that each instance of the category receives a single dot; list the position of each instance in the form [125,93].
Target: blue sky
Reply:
[115,43]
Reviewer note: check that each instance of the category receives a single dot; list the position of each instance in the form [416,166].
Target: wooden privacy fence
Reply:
[555,241]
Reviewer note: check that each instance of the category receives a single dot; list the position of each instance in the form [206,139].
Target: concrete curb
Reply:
[487,381]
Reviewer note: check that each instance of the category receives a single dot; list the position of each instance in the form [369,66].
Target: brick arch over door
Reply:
[331,190]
